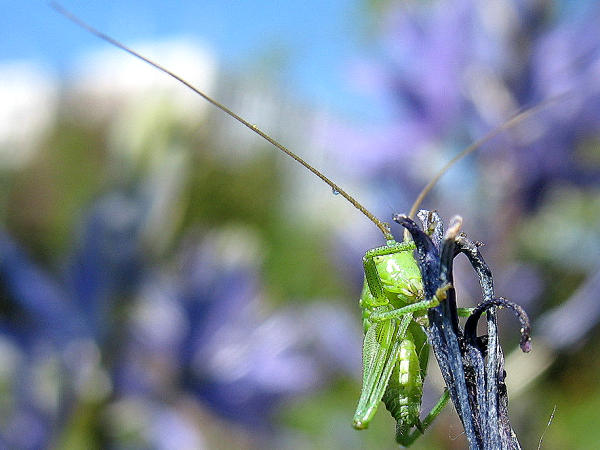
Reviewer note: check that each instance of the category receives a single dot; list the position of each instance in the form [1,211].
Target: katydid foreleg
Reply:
[423,305]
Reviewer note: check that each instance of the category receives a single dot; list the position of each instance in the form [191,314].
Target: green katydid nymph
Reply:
[394,305]
[395,349]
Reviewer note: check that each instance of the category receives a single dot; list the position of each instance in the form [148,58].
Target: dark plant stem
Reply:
[476,385]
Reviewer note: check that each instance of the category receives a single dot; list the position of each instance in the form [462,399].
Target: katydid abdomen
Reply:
[402,398]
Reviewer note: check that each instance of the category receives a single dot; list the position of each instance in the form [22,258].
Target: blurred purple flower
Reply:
[107,262]
[229,353]
[237,359]
[565,59]
[51,320]
[428,50]
[452,74]
[38,301]
[103,266]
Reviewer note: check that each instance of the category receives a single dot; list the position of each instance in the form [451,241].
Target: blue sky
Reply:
[320,39]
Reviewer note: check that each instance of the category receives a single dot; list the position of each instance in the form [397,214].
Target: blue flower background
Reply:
[169,281]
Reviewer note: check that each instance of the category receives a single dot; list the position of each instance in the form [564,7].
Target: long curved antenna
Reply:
[514,120]
[385,229]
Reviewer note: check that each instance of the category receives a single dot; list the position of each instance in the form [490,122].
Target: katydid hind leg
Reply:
[380,353]
[377,368]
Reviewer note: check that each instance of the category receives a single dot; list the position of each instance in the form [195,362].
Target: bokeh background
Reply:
[169,281]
